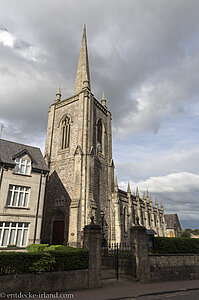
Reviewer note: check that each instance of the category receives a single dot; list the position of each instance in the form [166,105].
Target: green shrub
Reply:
[186,234]
[164,245]
[44,264]
[71,260]
[36,247]
[28,262]
[17,262]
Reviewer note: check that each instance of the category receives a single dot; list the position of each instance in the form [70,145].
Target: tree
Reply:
[186,233]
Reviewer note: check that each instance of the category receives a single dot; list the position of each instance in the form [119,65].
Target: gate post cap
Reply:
[92,225]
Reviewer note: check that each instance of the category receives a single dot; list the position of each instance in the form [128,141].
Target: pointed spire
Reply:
[162,205]
[156,202]
[147,195]
[82,75]
[129,189]
[58,94]
[137,193]
[144,197]
[151,202]
[103,100]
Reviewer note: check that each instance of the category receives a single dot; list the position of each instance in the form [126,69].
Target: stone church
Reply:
[81,182]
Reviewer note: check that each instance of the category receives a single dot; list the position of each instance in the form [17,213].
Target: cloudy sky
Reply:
[144,54]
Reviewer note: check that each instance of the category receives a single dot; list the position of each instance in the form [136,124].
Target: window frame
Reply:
[20,163]
[100,145]
[24,190]
[17,227]
[125,220]
[65,133]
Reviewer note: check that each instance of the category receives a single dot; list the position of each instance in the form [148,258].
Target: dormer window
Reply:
[23,166]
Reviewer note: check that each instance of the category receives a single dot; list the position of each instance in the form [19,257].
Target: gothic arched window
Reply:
[142,217]
[99,135]
[125,220]
[149,218]
[65,133]
[133,215]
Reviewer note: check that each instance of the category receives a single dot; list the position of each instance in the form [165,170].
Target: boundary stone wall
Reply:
[174,266]
[44,282]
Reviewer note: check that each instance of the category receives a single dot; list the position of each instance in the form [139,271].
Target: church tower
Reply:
[78,152]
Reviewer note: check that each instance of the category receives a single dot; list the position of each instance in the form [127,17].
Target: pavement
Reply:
[128,289]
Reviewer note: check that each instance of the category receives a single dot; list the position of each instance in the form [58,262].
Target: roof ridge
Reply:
[20,144]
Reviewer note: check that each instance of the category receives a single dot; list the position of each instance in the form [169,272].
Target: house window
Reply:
[65,139]
[23,166]
[13,234]
[17,196]
[99,135]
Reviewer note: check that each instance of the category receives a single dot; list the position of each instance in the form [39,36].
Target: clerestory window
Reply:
[65,139]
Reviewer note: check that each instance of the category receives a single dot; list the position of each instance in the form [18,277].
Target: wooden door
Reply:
[58,233]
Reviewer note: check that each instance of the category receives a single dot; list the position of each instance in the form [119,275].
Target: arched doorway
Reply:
[171,234]
[58,228]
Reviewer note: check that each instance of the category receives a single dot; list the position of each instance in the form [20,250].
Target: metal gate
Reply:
[116,260]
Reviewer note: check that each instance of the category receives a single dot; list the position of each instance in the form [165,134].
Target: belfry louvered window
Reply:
[65,133]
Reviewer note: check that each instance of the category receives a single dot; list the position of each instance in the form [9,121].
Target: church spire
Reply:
[129,189]
[58,94]
[103,100]
[82,75]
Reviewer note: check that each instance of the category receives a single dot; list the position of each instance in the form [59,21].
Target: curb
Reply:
[154,294]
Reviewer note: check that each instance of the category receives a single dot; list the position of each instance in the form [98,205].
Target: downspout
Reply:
[1,178]
[38,201]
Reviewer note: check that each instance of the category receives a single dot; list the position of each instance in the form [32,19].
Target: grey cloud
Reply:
[137,44]
[159,165]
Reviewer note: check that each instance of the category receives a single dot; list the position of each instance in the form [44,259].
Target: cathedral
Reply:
[81,181]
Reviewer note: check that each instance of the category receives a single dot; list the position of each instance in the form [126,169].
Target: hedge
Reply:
[165,245]
[62,248]
[26,262]
[45,247]
[37,247]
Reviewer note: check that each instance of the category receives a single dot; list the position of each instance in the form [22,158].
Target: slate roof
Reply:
[9,150]
[172,220]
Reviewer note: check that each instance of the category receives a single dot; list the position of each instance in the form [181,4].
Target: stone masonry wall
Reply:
[174,267]
[46,282]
